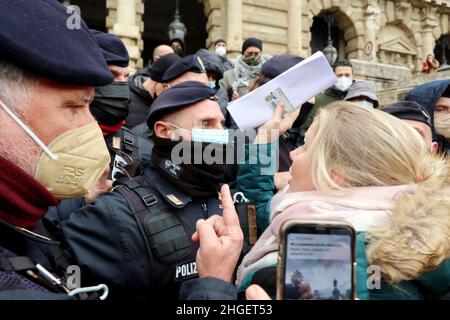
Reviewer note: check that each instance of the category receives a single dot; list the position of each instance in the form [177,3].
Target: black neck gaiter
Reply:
[193,167]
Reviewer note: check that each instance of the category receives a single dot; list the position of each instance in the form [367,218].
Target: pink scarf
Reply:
[363,208]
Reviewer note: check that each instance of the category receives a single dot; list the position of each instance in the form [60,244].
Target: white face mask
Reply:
[221,51]
[207,135]
[364,103]
[343,83]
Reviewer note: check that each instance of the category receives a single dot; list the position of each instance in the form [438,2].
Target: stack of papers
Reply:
[293,87]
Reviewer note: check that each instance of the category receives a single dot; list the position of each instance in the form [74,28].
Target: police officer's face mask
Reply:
[196,168]
[72,162]
[111,103]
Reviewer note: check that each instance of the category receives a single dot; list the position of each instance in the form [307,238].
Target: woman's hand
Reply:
[275,127]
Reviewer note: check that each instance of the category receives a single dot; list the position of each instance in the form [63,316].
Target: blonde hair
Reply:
[365,148]
[418,237]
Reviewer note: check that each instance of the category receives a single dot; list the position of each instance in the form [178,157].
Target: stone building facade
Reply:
[386,40]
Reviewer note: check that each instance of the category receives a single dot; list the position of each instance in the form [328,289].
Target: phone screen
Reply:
[319,266]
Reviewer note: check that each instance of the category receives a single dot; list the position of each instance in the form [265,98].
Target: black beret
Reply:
[35,36]
[189,63]
[279,64]
[113,49]
[211,62]
[446,93]
[182,95]
[409,110]
[252,42]
[159,67]
[428,94]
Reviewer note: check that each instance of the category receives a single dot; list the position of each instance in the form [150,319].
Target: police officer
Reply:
[53,149]
[165,203]
[145,86]
[110,108]
[165,73]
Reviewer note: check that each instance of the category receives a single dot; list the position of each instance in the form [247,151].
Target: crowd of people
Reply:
[89,180]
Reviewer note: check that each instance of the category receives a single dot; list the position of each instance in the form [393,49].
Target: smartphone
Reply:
[316,261]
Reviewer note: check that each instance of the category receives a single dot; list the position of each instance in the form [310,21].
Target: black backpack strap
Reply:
[163,232]
[129,140]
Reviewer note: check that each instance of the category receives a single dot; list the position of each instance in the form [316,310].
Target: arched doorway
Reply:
[319,37]
[343,34]
[443,41]
[160,13]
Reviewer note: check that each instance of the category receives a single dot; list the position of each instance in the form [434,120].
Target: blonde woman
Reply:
[355,166]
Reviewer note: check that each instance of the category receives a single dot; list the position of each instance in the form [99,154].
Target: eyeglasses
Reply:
[121,162]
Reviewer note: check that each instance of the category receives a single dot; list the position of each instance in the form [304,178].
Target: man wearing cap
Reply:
[51,148]
[214,71]
[167,72]
[178,187]
[417,117]
[363,94]
[145,89]
[110,108]
[237,82]
[220,48]
[435,98]
[178,46]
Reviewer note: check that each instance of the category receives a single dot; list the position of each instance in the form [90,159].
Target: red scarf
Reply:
[110,130]
[23,200]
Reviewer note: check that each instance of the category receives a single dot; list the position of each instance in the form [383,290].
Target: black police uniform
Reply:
[145,225]
[134,272]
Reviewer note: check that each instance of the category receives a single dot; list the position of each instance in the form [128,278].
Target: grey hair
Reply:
[16,85]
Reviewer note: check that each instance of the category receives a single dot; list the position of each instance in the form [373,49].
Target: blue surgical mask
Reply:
[207,135]
[212,84]
[364,103]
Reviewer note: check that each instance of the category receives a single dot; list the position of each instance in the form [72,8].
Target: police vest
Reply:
[167,238]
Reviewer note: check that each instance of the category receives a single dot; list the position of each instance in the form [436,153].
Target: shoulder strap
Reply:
[163,232]
[130,145]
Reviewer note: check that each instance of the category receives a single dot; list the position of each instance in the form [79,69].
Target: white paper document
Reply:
[297,85]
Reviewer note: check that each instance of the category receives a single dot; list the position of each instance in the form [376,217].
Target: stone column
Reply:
[428,41]
[372,26]
[234,26]
[295,31]
[428,24]
[125,20]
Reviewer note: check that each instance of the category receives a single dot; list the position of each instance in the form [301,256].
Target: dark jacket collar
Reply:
[172,195]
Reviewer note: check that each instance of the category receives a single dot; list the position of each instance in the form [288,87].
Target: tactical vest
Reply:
[134,147]
[167,237]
